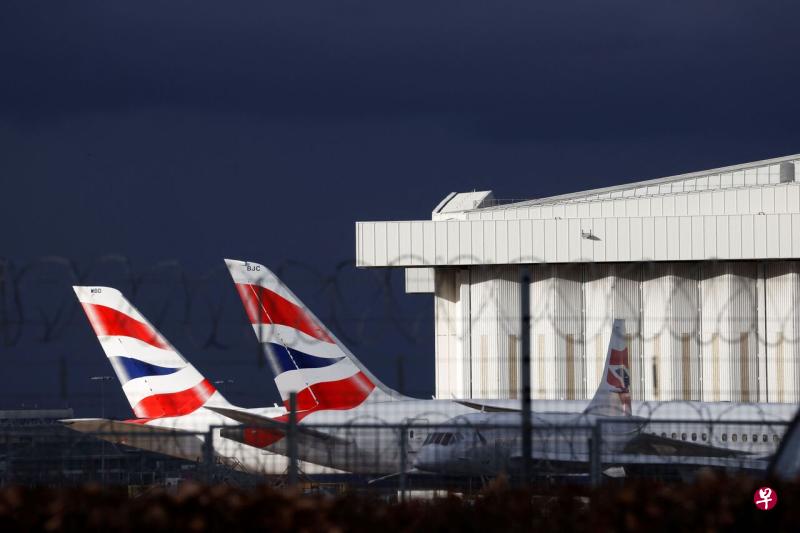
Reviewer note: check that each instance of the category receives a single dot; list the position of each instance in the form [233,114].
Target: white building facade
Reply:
[703,267]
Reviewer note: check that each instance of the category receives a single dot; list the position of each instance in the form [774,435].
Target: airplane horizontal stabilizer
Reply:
[278,425]
[167,441]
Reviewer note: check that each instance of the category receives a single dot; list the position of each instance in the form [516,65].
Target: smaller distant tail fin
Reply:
[613,396]
[155,377]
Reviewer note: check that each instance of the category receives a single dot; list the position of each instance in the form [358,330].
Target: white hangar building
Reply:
[703,267]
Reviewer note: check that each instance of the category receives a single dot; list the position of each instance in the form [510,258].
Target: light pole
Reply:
[209,443]
[101,380]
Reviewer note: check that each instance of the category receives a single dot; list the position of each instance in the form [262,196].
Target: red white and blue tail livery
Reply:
[303,354]
[172,401]
[613,396]
[157,381]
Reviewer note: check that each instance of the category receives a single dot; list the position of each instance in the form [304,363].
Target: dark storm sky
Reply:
[189,131]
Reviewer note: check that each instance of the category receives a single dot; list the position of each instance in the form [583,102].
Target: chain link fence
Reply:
[394,449]
[388,459]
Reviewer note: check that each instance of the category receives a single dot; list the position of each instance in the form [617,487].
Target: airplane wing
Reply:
[649,444]
[167,441]
[648,449]
[414,479]
[488,406]
[681,462]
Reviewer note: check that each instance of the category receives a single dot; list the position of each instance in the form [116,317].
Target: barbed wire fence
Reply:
[36,303]
[683,331]
[202,314]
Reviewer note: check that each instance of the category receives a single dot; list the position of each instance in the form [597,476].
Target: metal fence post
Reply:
[9,462]
[403,460]
[595,444]
[208,455]
[291,438]
[525,338]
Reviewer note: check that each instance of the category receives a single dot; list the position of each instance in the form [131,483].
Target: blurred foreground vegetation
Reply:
[711,503]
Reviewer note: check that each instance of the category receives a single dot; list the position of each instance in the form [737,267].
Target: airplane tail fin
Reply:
[155,377]
[305,357]
[613,396]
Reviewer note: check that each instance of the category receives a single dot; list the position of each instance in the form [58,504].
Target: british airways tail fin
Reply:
[155,378]
[613,396]
[304,355]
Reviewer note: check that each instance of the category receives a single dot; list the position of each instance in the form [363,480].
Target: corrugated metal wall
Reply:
[557,340]
[782,297]
[670,331]
[733,237]
[451,329]
[729,331]
[495,312]
[709,331]
[444,326]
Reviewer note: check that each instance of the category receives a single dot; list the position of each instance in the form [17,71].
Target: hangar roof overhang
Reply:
[746,211]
